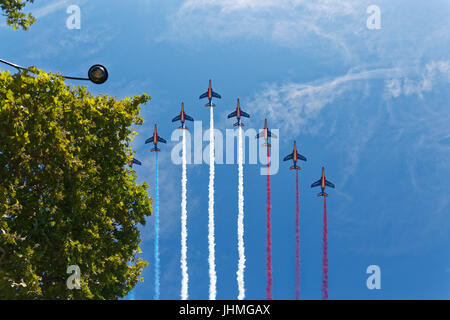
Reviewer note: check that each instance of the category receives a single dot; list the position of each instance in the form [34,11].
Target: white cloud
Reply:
[327,7]
[43,11]
[323,28]
[303,102]
[50,8]
[233,5]
[287,22]
[394,87]
[434,71]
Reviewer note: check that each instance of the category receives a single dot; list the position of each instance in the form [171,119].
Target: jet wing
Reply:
[231,115]
[245,114]
[136,161]
[270,134]
[161,140]
[316,184]
[216,95]
[329,184]
[289,157]
[149,140]
[259,134]
[189,118]
[178,117]
[299,156]
[204,95]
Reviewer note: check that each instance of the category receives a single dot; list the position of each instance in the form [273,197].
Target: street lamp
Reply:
[98,74]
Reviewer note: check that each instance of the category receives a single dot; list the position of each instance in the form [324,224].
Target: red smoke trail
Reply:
[269,242]
[297,249]
[325,252]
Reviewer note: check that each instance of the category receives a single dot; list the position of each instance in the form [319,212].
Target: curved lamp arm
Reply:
[98,74]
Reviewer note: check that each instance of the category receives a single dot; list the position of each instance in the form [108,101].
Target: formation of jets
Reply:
[238,113]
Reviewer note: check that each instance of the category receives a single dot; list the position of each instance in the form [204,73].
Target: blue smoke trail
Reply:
[156,231]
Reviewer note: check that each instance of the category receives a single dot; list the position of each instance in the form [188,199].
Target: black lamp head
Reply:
[98,74]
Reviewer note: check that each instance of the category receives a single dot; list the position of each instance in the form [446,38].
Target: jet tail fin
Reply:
[322,194]
[237,124]
[210,105]
[185,128]
[155,149]
[266,145]
[294,167]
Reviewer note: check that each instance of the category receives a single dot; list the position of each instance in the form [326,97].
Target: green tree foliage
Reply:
[66,195]
[12,9]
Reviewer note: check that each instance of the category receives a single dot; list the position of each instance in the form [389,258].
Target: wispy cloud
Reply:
[50,8]
[304,102]
[285,21]
[434,71]
[321,27]
[53,38]
[43,11]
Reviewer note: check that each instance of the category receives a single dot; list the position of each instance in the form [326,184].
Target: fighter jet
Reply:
[238,114]
[155,139]
[210,94]
[134,161]
[322,182]
[295,156]
[182,117]
[266,134]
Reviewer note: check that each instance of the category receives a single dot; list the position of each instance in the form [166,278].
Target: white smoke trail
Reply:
[184,268]
[241,248]
[156,248]
[211,239]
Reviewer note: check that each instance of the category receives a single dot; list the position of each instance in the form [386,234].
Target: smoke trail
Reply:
[325,252]
[131,296]
[156,230]
[297,240]
[211,239]
[269,241]
[184,268]
[241,248]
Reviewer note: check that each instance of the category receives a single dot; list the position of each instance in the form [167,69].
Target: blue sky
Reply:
[369,105]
